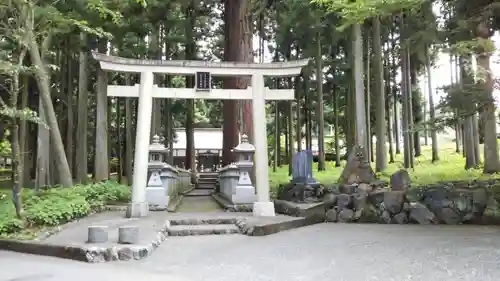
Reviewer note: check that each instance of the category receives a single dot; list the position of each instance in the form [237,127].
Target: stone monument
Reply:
[303,187]
[302,168]
[357,169]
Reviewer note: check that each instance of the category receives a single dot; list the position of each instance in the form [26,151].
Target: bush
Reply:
[56,206]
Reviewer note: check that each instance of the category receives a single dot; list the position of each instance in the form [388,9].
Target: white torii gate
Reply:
[203,71]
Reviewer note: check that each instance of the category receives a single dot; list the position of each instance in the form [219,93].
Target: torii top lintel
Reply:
[276,69]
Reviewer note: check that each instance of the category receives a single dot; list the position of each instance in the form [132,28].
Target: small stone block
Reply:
[97,234]
[128,234]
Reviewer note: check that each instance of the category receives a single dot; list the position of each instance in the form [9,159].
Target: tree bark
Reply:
[405,96]
[369,142]
[320,114]
[17,167]
[101,159]
[190,105]
[238,47]
[491,157]
[432,111]
[381,153]
[81,157]
[359,87]
[43,82]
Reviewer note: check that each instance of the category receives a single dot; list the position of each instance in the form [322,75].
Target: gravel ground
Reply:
[351,252]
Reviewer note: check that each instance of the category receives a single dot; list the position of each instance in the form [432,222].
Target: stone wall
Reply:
[447,203]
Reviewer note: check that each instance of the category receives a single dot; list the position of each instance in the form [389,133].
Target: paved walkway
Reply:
[350,252]
[198,204]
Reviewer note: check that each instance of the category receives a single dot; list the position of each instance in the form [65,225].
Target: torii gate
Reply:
[203,70]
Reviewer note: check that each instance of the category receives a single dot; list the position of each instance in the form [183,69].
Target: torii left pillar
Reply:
[138,207]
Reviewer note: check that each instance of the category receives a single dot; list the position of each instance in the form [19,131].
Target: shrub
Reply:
[55,206]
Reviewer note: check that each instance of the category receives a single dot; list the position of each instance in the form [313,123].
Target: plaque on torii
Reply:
[203,81]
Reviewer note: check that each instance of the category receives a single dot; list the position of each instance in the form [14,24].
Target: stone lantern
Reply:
[157,150]
[155,191]
[244,191]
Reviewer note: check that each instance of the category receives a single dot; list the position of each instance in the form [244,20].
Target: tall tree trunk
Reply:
[409,102]
[307,106]
[320,114]
[470,159]
[291,146]
[350,108]
[190,105]
[432,111]
[101,159]
[369,142]
[24,143]
[389,100]
[475,136]
[394,93]
[336,124]
[17,167]
[238,47]
[42,78]
[361,134]
[416,101]
[454,79]
[491,160]
[70,149]
[405,97]
[81,158]
[381,156]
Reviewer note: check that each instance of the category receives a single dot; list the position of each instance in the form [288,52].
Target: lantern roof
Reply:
[244,145]
[156,146]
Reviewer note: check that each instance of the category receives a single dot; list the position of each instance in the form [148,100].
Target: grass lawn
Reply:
[449,168]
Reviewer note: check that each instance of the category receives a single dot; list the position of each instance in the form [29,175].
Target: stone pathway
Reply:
[322,252]
[325,252]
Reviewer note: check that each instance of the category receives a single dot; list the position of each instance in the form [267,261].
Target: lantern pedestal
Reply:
[156,195]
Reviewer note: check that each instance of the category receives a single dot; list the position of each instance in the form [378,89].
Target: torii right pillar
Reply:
[264,207]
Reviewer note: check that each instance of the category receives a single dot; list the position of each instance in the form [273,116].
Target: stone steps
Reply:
[203,226]
[203,229]
[207,180]
[205,186]
[208,175]
[196,221]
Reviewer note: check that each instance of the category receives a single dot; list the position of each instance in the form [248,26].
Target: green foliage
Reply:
[56,206]
[360,10]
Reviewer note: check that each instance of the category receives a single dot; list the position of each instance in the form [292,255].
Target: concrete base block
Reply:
[97,234]
[128,234]
[243,195]
[137,210]
[263,209]
[157,198]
